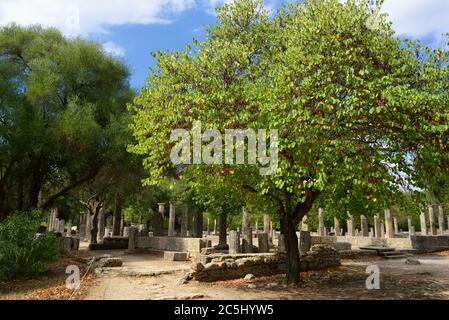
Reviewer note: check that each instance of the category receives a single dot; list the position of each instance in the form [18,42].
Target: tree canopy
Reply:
[357,108]
[62,103]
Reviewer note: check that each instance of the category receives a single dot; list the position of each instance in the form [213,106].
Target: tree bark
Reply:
[292,250]
[222,229]
[117,216]
[95,206]
[101,224]
[94,230]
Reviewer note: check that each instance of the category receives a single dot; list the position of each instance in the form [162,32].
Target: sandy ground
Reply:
[148,276]
[429,280]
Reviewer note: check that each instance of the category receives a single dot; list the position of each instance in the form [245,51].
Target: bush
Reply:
[23,253]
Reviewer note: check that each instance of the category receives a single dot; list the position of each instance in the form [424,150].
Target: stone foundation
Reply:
[430,242]
[413,242]
[69,244]
[227,267]
[191,245]
[111,243]
[175,256]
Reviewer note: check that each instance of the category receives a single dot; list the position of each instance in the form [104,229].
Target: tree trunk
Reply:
[101,224]
[95,208]
[222,229]
[94,230]
[117,216]
[292,250]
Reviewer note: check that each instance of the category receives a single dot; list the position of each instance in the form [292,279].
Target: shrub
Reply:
[23,253]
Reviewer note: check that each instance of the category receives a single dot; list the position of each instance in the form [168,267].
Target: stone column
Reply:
[305,242]
[61,226]
[132,242]
[184,220]
[122,225]
[245,219]
[208,227]
[448,222]
[55,220]
[107,232]
[382,230]
[171,220]
[222,229]
[281,243]
[411,227]
[389,223]
[377,232]
[262,239]
[257,227]
[69,229]
[158,221]
[395,224]
[247,241]
[54,223]
[351,227]
[234,242]
[126,231]
[82,230]
[321,226]
[50,220]
[364,226]
[266,224]
[423,223]
[305,224]
[215,227]
[433,226]
[440,220]
[337,227]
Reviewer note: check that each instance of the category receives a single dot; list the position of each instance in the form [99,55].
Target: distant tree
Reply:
[59,99]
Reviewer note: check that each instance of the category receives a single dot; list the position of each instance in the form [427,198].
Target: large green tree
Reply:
[59,102]
[353,103]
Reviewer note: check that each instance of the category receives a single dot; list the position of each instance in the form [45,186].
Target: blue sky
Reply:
[131,29]
[135,42]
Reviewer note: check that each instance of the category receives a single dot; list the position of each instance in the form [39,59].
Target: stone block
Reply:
[175,256]
[143,242]
[263,240]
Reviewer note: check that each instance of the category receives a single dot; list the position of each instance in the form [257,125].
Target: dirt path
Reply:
[429,280]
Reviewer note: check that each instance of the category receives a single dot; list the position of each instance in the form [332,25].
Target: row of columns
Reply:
[246,244]
[388,227]
[434,228]
[158,222]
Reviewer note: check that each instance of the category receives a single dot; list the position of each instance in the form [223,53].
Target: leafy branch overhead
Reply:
[354,104]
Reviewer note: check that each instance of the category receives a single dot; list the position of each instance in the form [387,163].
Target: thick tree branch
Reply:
[302,208]
[47,204]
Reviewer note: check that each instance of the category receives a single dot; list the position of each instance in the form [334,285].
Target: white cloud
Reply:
[81,17]
[419,18]
[413,18]
[113,49]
